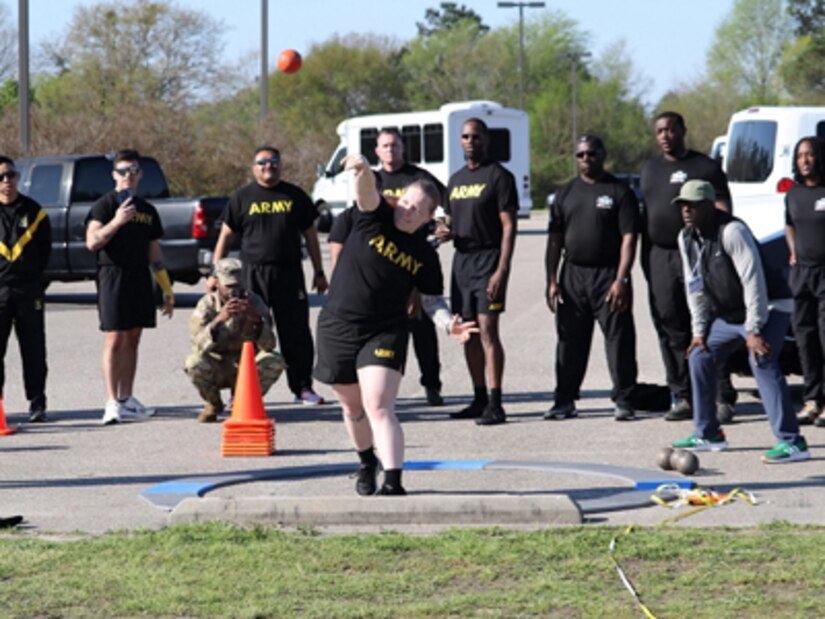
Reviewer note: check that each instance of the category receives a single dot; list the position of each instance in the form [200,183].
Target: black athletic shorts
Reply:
[468,289]
[125,298]
[344,348]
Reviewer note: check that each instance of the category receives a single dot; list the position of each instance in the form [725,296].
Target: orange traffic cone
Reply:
[248,432]
[4,429]
[248,404]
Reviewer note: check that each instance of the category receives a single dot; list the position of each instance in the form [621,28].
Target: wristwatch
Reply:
[624,280]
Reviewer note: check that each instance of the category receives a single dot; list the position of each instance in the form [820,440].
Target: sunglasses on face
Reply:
[8,176]
[586,153]
[270,161]
[132,169]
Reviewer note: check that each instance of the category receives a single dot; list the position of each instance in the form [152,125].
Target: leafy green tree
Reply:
[808,16]
[803,70]
[747,49]
[450,16]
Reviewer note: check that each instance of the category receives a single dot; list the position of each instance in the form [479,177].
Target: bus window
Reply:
[434,143]
[369,140]
[412,142]
[499,145]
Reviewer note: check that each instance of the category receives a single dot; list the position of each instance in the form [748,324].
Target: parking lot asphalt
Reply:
[76,475]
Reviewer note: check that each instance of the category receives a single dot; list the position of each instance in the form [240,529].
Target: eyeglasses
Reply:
[270,161]
[132,169]
[586,153]
[8,176]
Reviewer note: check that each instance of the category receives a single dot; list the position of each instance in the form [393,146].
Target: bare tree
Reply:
[8,44]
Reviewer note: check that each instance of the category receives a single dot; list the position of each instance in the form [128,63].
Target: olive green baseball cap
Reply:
[695,191]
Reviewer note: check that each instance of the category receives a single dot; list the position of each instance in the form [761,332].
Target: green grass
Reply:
[226,571]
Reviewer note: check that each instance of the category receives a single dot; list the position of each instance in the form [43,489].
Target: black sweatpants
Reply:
[283,289]
[670,313]
[584,290]
[808,287]
[425,342]
[24,310]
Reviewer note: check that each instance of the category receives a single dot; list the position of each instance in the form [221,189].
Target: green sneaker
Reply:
[697,443]
[787,452]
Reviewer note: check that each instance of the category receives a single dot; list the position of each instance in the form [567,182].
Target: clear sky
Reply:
[667,39]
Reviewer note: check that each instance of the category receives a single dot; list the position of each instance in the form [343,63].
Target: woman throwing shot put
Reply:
[363,328]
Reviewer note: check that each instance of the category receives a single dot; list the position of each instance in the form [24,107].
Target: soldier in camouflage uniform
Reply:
[222,321]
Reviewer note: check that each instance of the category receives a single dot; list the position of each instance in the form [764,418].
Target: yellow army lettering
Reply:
[390,251]
[393,193]
[465,192]
[270,208]
[143,218]
[384,353]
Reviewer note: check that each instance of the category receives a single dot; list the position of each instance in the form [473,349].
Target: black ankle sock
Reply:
[495,397]
[392,478]
[480,394]
[368,457]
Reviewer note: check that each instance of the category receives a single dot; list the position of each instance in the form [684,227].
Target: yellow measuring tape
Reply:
[700,498]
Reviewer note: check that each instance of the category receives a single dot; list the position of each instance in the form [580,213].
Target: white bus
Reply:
[431,141]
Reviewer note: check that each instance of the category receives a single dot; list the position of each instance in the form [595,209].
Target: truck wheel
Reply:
[324,217]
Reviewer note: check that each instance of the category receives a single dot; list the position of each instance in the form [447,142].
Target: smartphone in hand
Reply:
[123,195]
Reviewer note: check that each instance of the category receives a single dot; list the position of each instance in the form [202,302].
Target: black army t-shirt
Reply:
[129,247]
[270,220]
[805,211]
[662,180]
[592,217]
[378,268]
[474,200]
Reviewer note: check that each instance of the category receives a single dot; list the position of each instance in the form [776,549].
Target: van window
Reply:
[44,184]
[412,142]
[499,145]
[820,130]
[369,140]
[750,151]
[434,143]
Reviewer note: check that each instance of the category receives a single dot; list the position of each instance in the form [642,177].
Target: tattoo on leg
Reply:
[360,417]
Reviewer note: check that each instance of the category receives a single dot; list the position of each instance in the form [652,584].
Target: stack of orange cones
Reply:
[4,429]
[248,432]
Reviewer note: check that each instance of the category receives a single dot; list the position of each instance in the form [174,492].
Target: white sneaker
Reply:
[309,398]
[111,413]
[131,408]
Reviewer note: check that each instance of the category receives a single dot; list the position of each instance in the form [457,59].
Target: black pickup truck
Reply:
[67,186]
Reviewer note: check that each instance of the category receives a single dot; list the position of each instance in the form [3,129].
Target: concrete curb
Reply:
[356,511]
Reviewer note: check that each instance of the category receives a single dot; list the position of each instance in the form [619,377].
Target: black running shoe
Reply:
[492,416]
[386,490]
[8,523]
[365,480]
[473,411]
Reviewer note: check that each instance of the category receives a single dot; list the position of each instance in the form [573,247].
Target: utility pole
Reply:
[520,6]
[574,58]
[23,74]
[264,61]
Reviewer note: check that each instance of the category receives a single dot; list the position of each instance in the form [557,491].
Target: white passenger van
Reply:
[431,141]
[759,165]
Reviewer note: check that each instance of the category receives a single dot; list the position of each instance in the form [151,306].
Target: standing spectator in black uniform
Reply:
[481,207]
[394,176]
[805,234]
[124,231]
[272,215]
[595,219]
[363,328]
[25,246]
[661,179]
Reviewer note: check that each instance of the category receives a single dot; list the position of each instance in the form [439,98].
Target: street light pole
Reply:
[264,65]
[23,73]
[520,6]
[574,58]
